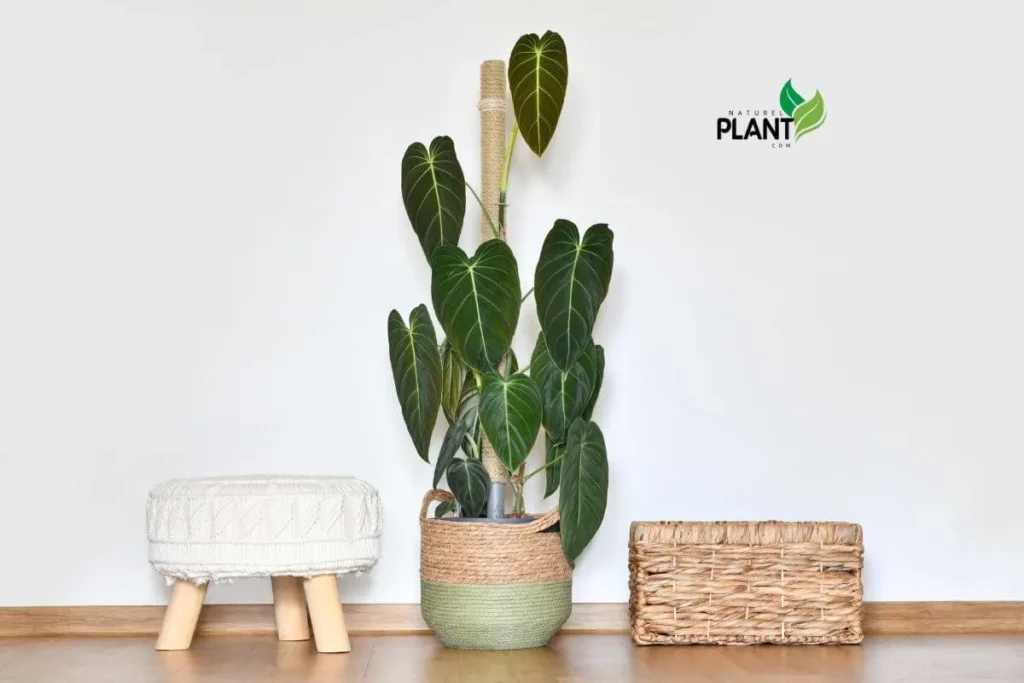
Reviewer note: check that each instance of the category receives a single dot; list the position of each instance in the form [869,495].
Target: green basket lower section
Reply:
[508,617]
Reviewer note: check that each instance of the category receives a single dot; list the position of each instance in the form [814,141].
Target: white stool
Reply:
[300,531]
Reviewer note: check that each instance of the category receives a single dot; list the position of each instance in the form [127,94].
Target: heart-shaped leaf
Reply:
[469,483]
[416,366]
[434,192]
[553,454]
[453,380]
[477,301]
[444,508]
[571,281]
[565,395]
[584,487]
[453,440]
[538,73]
[510,411]
[599,357]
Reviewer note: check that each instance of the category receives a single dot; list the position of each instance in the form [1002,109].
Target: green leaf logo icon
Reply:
[789,99]
[807,115]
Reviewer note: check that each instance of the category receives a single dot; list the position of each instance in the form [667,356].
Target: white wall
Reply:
[201,235]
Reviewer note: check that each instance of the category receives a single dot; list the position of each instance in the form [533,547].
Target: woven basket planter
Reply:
[740,583]
[488,586]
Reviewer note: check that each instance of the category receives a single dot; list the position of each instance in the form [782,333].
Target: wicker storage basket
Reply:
[745,582]
[487,586]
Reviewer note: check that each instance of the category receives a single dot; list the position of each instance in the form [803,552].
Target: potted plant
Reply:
[487,583]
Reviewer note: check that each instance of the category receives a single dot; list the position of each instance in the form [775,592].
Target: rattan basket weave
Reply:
[488,586]
[745,582]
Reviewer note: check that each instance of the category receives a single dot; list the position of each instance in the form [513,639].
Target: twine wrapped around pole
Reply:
[492,141]
[492,162]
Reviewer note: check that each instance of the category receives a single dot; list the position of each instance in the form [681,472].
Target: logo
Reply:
[808,115]
[795,118]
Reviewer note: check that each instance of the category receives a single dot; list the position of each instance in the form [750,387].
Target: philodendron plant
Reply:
[473,376]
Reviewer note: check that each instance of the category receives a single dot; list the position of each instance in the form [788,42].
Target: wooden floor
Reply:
[569,659]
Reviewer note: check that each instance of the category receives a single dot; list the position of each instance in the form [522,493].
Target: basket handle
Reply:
[431,496]
[548,519]
[545,521]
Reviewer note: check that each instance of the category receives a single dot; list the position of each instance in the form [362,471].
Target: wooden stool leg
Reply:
[181,616]
[290,608]
[325,612]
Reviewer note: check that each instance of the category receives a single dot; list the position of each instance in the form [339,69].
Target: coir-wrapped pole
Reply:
[492,162]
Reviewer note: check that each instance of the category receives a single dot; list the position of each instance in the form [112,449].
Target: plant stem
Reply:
[526,296]
[501,210]
[537,471]
[487,214]
[523,371]
[472,443]
[519,502]
[503,188]
[508,158]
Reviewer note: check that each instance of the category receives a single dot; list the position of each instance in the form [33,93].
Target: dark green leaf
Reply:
[789,99]
[553,466]
[453,379]
[571,281]
[584,487]
[510,411]
[434,192]
[477,301]
[466,412]
[469,482]
[469,406]
[599,357]
[565,395]
[538,73]
[541,365]
[453,439]
[416,366]
[444,508]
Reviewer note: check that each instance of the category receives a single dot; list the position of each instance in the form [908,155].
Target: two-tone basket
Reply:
[745,582]
[487,586]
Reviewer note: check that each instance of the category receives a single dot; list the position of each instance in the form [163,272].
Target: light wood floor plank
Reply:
[569,659]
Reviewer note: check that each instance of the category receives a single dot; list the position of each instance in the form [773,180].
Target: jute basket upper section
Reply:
[745,582]
[487,553]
